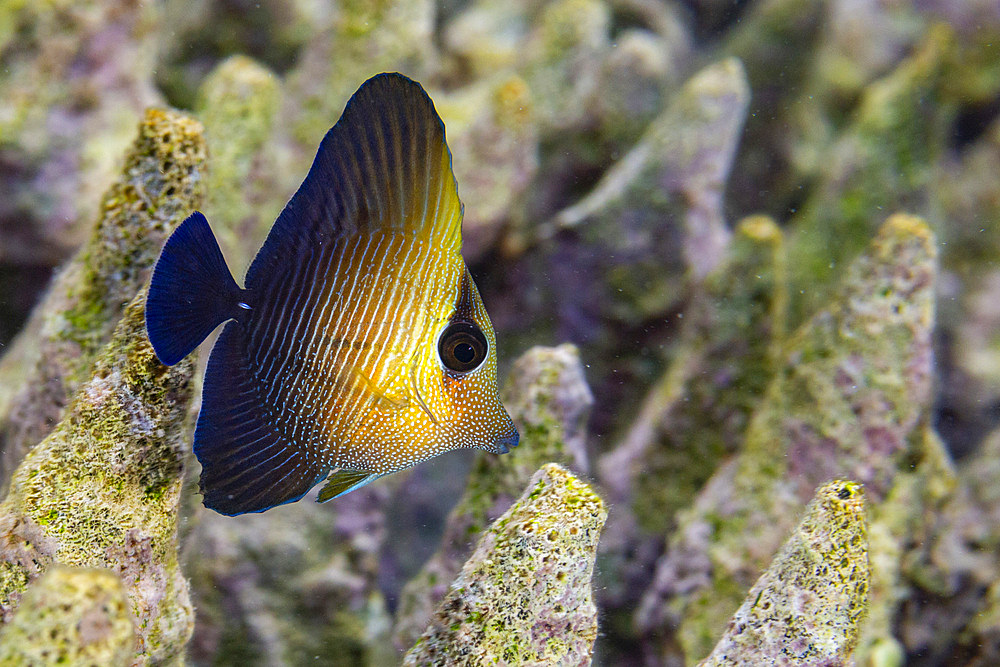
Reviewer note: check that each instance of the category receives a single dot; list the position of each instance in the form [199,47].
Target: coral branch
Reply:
[807,608]
[160,184]
[549,399]
[524,596]
[102,489]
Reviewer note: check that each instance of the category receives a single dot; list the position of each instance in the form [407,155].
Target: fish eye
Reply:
[462,347]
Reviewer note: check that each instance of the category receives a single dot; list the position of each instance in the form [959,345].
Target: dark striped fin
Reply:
[385,166]
[344,481]
[246,465]
[191,291]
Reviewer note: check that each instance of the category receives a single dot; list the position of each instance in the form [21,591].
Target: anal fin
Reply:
[246,464]
[344,481]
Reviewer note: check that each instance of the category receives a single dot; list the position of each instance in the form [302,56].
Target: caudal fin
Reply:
[191,291]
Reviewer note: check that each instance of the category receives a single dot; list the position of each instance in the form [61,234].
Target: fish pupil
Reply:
[465,353]
[462,347]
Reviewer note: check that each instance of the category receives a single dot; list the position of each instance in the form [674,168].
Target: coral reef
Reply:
[103,489]
[807,608]
[524,596]
[161,182]
[549,400]
[70,616]
[852,387]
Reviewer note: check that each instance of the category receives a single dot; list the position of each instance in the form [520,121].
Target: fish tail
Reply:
[191,291]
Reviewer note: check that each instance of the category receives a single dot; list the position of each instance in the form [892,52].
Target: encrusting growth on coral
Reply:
[70,616]
[807,608]
[548,397]
[524,596]
[161,182]
[698,410]
[102,490]
[880,162]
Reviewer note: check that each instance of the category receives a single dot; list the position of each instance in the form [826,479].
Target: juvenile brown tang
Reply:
[360,345]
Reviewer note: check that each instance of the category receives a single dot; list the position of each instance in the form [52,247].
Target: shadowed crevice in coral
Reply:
[697,412]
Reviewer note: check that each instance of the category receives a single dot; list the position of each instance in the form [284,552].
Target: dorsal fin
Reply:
[385,166]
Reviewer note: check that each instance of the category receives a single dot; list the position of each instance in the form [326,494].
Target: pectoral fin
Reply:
[344,481]
[382,397]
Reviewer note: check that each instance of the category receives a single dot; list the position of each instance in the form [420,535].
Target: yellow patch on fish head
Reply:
[442,393]
[465,349]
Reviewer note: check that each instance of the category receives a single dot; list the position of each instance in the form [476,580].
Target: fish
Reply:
[359,344]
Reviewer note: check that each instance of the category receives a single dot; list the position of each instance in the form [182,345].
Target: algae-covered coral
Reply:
[821,573]
[524,596]
[732,252]
[72,616]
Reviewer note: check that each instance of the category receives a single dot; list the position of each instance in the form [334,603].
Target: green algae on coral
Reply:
[161,182]
[808,606]
[854,383]
[659,208]
[70,616]
[524,596]
[102,489]
[698,411]
[882,161]
[548,397]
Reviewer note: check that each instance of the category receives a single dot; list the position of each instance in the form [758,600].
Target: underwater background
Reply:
[741,259]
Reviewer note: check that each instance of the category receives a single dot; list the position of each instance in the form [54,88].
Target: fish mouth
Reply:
[506,442]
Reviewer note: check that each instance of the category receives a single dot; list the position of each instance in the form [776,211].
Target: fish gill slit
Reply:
[416,391]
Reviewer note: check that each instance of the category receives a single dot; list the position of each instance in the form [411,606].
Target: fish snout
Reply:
[507,441]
